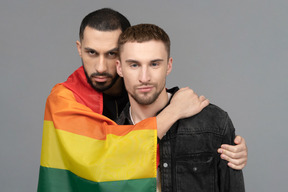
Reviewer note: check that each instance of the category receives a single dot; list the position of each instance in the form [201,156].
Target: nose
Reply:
[144,76]
[101,65]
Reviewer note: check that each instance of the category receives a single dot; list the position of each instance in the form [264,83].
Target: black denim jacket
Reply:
[188,153]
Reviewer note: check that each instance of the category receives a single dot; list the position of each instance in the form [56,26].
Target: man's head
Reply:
[144,53]
[97,47]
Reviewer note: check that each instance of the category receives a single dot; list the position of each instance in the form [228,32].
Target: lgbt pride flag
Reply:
[84,151]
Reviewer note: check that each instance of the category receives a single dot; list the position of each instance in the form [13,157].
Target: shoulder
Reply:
[213,111]
[211,119]
[60,91]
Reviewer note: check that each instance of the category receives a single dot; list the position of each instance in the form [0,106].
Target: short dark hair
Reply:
[105,19]
[143,33]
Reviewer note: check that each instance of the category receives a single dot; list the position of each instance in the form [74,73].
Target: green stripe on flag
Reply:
[60,180]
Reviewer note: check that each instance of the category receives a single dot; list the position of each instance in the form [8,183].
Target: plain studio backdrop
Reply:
[233,52]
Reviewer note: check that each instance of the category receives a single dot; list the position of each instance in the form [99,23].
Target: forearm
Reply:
[165,120]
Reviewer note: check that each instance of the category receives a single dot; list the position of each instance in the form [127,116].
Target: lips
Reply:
[100,79]
[145,89]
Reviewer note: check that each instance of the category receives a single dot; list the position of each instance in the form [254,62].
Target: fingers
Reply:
[185,89]
[202,98]
[238,167]
[204,102]
[235,148]
[236,160]
[236,155]
[187,103]
[231,156]
[229,149]
[235,151]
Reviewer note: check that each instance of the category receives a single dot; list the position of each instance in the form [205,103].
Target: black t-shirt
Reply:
[113,106]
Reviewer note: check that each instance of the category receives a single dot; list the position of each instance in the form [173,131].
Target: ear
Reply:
[119,68]
[78,44]
[169,67]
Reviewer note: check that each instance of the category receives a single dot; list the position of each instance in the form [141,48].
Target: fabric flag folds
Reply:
[84,151]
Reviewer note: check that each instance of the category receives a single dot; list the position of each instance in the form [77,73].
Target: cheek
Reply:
[112,66]
[130,80]
[161,79]
[88,62]
[88,65]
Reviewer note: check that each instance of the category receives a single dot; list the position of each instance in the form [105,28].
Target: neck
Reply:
[140,112]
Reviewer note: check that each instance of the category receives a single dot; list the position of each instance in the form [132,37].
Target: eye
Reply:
[112,55]
[91,52]
[134,65]
[154,64]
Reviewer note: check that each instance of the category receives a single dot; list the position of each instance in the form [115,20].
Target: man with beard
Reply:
[188,152]
[83,148]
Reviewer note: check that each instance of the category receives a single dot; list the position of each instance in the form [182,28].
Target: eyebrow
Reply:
[89,49]
[114,49]
[135,61]
[131,61]
[157,60]
[111,50]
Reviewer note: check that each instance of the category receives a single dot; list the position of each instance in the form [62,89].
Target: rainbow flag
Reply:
[84,151]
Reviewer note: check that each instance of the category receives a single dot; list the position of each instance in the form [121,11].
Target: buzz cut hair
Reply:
[105,19]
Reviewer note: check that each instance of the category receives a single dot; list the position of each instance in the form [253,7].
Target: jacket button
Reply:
[165,165]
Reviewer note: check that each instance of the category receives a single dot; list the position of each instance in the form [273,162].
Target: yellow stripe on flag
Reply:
[117,158]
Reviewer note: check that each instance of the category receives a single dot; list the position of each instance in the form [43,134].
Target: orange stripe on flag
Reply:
[69,115]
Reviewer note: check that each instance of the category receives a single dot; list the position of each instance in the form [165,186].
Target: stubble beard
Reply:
[99,86]
[144,99]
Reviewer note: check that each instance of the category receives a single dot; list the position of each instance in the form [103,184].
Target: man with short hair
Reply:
[83,149]
[188,152]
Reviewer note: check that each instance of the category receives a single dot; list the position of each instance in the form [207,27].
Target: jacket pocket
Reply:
[195,173]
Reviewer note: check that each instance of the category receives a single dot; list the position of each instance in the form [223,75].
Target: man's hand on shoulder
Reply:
[184,103]
[187,103]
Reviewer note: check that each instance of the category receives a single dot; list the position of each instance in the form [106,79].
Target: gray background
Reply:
[233,52]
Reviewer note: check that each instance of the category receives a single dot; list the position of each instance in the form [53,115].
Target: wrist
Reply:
[165,120]
[173,114]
